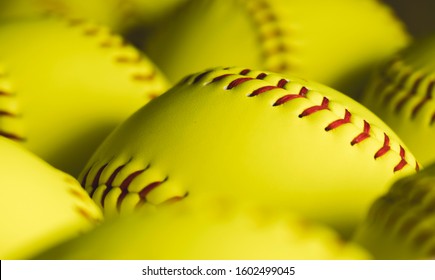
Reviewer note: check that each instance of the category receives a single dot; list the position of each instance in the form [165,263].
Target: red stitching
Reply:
[218,78]
[85,178]
[266,16]
[427,98]
[339,122]
[96,181]
[317,108]
[363,135]
[385,147]
[283,82]
[402,162]
[238,81]
[261,76]
[114,174]
[174,199]
[123,187]
[245,72]
[146,190]
[200,76]
[411,93]
[286,98]
[261,90]
[400,85]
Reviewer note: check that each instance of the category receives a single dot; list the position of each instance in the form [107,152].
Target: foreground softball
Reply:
[402,92]
[209,229]
[40,206]
[254,135]
[333,42]
[66,84]
[401,224]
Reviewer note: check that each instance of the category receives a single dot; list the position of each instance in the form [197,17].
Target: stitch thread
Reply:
[96,182]
[399,80]
[410,93]
[402,162]
[289,97]
[314,109]
[385,147]
[80,210]
[262,14]
[390,212]
[339,122]
[365,134]
[5,112]
[238,82]
[427,98]
[86,214]
[115,42]
[123,187]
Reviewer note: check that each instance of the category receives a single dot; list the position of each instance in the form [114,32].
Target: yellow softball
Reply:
[65,84]
[255,135]
[208,228]
[333,42]
[402,92]
[40,206]
[401,223]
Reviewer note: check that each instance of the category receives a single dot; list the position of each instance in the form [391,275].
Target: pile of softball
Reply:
[206,129]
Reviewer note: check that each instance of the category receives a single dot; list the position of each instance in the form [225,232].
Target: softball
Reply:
[254,135]
[40,206]
[66,84]
[402,92]
[336,43]
[222,229]
[401,223]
